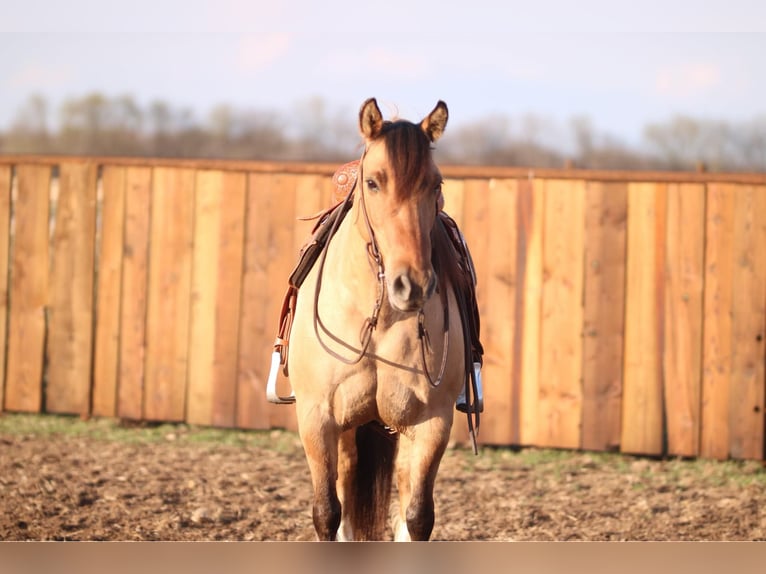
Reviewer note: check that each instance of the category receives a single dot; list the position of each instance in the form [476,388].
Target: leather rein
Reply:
[371,322]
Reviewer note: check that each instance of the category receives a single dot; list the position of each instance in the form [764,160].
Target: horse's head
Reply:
[400,187]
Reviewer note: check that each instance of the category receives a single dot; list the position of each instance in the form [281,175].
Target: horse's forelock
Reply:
[409,153]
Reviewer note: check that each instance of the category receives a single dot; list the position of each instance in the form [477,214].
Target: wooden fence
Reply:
[620,311]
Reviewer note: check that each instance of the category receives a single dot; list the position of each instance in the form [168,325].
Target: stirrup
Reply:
[271,383]
[462,404]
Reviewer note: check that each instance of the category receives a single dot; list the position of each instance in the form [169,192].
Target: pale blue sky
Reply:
[622,64]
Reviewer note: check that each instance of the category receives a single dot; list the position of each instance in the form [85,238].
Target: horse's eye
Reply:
[372,185]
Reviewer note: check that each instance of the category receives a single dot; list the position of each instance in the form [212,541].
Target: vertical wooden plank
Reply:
[476,216]
[216,283]
[642,412]
[229,296]
[202,326]
[254,326]
[170,261]
[526,376]
[560,389]
[498,325]
[133,306]
[746,404]
[70,333]
[107,344]
[269,218]
[717,343]
[5,234]
[604,313]
[683,316]
[28,290]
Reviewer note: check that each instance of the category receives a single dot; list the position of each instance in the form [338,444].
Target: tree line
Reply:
[96,124]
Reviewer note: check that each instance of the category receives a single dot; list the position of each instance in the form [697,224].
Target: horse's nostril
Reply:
[403,287]
[406,290]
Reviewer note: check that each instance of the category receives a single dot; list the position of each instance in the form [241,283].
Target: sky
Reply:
[620,64]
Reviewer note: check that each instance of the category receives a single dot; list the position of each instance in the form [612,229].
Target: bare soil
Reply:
[102,481]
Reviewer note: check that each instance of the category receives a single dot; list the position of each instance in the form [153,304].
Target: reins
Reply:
[371,322]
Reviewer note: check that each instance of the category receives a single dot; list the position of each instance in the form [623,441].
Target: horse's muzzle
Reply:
[408,294]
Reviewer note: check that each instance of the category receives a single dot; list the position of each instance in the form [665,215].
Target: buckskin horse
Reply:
[377,352]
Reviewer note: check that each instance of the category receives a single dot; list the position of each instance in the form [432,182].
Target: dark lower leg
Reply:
[326,514]
[420,516]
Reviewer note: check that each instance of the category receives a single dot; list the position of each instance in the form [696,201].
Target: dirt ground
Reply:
[93,480]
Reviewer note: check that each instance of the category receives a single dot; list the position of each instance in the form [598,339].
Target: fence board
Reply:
[642,407]
[28,289]
[170,260]
[70,329]
[202,325]
[230,269]
[560,388]
[747,382]
[216,282]
[717,342]
[107,344]
[5,234]
[531,211]
[259,314]
[604,314]
[683,316]
[133,306]
[476,213]
[497,327]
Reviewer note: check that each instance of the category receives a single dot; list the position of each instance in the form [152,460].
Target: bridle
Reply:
[371,322]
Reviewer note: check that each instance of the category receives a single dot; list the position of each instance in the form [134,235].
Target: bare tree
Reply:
[96,124]
[29,131]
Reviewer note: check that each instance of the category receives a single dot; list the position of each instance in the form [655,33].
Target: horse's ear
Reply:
[370,119]
[436,121]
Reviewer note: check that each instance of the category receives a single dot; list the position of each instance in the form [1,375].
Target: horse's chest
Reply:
[402,392]
[391,387]
[400,404]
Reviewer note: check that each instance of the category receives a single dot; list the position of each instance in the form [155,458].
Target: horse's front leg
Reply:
[401,534]
[319,435]
[419,456]
[346,477]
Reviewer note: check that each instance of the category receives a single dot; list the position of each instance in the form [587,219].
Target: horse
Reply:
[377,350]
